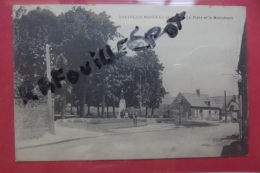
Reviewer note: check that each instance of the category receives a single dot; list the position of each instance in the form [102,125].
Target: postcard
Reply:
[118,82]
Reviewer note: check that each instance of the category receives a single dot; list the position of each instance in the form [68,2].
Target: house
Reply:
[232,105]
[196,106]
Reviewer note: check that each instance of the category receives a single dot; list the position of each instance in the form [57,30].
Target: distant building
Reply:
[166,102]
[232,107]
[165,105]
[195,106]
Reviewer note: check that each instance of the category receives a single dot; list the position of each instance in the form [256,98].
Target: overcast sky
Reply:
[204,51]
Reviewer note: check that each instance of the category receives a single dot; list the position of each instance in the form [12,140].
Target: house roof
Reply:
[220,100]
[199,101]
[167,101]
[235,106]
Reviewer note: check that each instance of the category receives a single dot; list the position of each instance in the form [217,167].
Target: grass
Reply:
[101,125]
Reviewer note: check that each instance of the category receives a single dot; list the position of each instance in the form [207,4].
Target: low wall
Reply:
[31,120]
[99,124]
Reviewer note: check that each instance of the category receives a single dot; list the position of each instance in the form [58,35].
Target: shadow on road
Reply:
[190,124]
[236,148]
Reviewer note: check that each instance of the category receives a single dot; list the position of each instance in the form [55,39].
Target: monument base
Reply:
[122,106]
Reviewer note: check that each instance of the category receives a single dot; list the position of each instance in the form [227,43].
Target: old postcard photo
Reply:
[116,82]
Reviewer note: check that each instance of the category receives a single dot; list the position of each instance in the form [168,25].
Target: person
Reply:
[135,116]
[122,113]
[126,114]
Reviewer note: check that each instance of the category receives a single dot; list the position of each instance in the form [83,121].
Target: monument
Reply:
[122,104]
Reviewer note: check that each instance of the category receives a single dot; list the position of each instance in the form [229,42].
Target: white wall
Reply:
[206,115]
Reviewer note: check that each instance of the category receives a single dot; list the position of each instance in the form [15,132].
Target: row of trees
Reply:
[71,36]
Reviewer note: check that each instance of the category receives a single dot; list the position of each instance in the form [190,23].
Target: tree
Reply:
[150,89]
[115,77]
[32,31]
[85,31]
[71,35]
[157,92]
[140,77]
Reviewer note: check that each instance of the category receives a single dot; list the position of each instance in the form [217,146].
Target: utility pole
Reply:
[49,101]
[103,95]
[179,114]
[225,105]
[140,95]
[180,103]
[103,101]
[240,117]
[240,110]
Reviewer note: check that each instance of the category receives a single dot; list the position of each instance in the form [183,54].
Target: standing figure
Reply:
[135,116]
[126,113]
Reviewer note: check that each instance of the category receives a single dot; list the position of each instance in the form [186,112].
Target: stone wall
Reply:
[31,120]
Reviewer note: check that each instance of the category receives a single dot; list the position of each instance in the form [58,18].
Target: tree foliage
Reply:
[72,35]
[32,31]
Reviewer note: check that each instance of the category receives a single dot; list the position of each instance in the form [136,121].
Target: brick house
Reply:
[195,106]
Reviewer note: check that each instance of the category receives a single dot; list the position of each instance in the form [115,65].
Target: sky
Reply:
[205,53]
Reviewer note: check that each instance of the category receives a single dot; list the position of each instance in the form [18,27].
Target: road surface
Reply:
[152,141]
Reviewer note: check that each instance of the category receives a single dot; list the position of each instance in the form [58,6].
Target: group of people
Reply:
[128,114]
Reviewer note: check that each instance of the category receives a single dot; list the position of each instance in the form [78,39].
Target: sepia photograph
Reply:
[119,82]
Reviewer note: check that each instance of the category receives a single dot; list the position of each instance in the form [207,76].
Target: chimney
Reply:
[198,92]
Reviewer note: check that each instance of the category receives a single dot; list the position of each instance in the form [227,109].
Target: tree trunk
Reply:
[82,103]
[63,104]
[98,114]
[146,110]
[77,108]
[71,109]
[88,109]
[152,111]
[114,114]
[103,105]
[107,112]
[225,105]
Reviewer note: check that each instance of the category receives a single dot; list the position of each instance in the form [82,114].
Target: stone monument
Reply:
[122,104]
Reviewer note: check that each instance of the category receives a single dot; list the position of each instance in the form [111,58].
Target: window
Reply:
[207,103]
[232,108]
